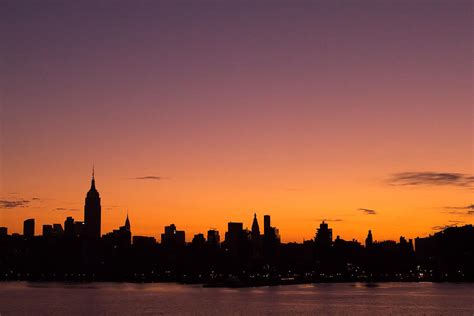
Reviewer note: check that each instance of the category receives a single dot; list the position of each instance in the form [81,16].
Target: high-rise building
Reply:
[127,223]
[256,238]
[92,212]
[173,237]
[266,225]
[323,235]
[69,226]
[29,227]
[271,238]
[234,231]
[369,240]
[58,230]
[79,229]
[180,238]
[255,228]
[121,237]
[213,237]
[144,242]
[234,237]
[198,241]
[270,233]
[54,230]
[126,232]
[3,231]
[47,230]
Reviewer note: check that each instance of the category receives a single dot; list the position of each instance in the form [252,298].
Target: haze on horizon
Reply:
[201,114]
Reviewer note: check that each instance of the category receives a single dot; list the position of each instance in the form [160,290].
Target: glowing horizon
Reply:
[340,223]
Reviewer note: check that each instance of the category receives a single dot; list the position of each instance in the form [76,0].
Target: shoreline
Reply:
[233,284]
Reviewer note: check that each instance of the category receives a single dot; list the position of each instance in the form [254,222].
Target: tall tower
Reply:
[127,223]
[369,240]
[29,227]
[255,227]
[323,235]
[92,212]
[266,225]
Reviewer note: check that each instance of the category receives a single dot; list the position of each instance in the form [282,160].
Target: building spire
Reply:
[92,211]
[127,222]
[93,179]
[255,228]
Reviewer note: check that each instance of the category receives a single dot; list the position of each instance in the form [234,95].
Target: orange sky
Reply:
[200,200]
[304,112]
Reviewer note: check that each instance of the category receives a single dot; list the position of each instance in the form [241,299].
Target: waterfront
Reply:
[29,298]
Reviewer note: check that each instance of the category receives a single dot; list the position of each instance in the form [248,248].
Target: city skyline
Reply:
[236,157]
[78,251]
[359,114]
[90,227]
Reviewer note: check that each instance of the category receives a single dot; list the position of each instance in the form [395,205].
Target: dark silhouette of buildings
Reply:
[173,238]
[266,225]
[448,254]
[198,241]
[52,230]
[79,229]
[29,228]
[213,238]
[69,227]
[47,230]
[144,241]
[121,237]
[270,234]
[234,234]
[127,223]
[92,212]
[245,257]
[58,229]
[256,228]
[257,244]
[323,235]
[369,241]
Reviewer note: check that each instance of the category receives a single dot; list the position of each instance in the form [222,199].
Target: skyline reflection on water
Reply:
[27,298]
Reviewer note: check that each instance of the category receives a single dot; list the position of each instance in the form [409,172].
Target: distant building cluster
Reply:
[78,251]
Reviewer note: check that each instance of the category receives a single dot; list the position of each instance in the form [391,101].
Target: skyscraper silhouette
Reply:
[172,237]
[127,223]
[266,225]
[29,227]
[213,237]
[126,231]
[369,240]
[47,230]
[92,212]
[69,226]
[255,227]
[323,235]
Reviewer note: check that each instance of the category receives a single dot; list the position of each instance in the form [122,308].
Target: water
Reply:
[23,298]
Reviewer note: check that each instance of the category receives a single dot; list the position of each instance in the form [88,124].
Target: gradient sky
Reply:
[200,114]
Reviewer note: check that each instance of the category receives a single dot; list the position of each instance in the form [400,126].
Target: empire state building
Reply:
[92,212]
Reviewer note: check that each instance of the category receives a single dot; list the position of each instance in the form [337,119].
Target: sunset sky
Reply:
[357,112]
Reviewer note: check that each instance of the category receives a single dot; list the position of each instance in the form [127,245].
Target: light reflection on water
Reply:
[168,298]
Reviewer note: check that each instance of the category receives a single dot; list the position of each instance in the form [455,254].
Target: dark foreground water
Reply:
[23,298]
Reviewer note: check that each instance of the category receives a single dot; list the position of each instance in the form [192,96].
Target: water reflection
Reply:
[132,299]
